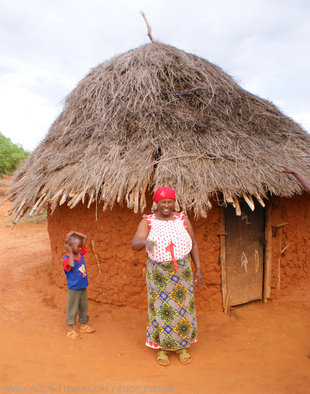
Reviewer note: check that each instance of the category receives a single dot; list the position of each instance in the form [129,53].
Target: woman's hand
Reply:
[287,170]
[150,245]
[198,277]
[305,183]
[139,240]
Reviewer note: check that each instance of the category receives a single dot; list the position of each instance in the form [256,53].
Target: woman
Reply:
[170,244]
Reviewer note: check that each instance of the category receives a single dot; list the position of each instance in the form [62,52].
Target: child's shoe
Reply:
[73,335]
[87,329]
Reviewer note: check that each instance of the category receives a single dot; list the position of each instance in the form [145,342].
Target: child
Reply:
[75,270]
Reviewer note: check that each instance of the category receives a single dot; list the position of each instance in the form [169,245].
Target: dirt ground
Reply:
[260,348]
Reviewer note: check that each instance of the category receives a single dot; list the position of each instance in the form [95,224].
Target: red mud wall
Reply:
[121,280]
[294,264]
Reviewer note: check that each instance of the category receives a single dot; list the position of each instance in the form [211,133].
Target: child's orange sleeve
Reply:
[83,250]
[66,264]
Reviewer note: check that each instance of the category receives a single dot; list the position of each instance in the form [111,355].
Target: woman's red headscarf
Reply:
[163,193]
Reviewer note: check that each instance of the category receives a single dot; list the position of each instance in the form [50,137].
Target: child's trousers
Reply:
[77,303]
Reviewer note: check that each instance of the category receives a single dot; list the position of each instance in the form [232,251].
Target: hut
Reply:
[158,116]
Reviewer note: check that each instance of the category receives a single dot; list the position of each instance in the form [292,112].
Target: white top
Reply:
[163,232]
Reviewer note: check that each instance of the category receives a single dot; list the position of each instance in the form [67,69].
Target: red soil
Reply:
[260,348]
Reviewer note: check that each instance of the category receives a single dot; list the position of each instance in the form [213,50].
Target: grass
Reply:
[35,218]
[4,186]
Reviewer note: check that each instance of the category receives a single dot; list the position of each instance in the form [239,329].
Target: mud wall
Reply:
[292,266]
[118,277]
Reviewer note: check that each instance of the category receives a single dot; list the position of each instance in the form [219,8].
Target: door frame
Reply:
[226,296]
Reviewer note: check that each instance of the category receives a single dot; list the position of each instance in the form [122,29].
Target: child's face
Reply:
[76,245]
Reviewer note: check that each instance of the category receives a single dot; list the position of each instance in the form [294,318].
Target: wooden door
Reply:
[244,253]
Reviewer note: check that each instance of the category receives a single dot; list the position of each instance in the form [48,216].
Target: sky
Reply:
[48,46]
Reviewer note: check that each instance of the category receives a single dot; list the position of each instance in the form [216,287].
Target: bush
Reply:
[11,156]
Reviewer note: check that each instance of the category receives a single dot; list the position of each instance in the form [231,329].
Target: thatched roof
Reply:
[158,116]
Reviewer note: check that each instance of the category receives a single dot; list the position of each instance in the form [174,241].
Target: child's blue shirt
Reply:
[76,276]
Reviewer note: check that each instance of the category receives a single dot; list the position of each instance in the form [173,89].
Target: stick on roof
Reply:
[158,116]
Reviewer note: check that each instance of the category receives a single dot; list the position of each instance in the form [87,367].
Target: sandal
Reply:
[162,358]
[87,329]
[73,335]
[184,356]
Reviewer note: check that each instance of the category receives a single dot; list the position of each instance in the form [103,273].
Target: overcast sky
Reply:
[48,46]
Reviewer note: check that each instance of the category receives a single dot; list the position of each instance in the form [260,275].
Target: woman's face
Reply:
[166,207]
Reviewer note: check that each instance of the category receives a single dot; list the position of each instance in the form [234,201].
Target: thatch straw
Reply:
[158,116]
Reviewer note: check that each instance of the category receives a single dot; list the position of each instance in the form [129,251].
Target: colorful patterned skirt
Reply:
[171,318]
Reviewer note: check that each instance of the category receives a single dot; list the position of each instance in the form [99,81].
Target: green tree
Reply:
[11,156]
